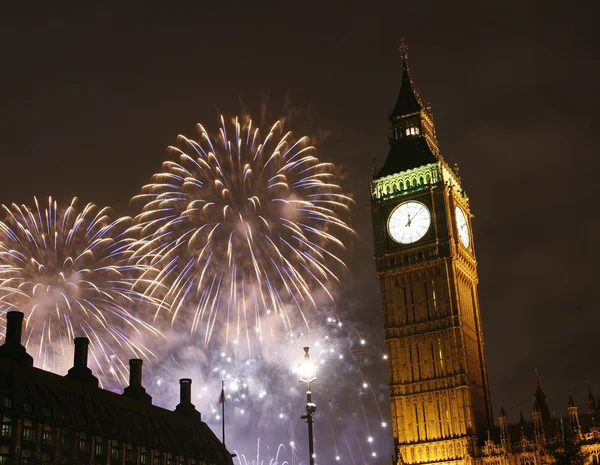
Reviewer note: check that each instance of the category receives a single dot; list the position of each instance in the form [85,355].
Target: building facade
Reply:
[51,419]
[427,267]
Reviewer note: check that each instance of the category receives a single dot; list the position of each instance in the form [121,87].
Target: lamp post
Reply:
[308,373]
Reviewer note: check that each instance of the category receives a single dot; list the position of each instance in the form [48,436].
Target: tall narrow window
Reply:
[417,422]
[424,421]
[442,369]
[433,360]
[440,422]
[410,359]
[419,360]
[433,297]
[427,301]
[412,303]
[405,302]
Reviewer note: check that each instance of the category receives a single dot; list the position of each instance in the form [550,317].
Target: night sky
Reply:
[92,96]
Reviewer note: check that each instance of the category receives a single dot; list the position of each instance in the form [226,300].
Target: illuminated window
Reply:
[115,452]
[412,131]
[28,431]
[84,443]
[131,454]
[47,436]
[6,429]
[100,449]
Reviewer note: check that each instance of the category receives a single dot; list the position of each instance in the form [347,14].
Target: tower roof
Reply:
[408,101]
[412,134]
[405,154]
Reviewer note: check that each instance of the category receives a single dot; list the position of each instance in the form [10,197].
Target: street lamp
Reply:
[308,373]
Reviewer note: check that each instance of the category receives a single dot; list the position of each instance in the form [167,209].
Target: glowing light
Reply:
[307,369]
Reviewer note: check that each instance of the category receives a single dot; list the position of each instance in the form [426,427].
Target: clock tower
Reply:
[425,261]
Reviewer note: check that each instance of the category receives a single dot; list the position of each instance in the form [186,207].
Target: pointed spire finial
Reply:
[403,49]
[373,167]
[571,401]
[502,412]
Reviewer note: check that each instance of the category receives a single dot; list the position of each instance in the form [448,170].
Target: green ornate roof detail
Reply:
[409,181]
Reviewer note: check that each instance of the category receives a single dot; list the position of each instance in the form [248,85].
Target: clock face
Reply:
[409,222]
[463,227]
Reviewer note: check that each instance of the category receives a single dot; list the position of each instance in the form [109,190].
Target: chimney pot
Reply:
[14,327]
[135,372]
[185,391]
[81,352]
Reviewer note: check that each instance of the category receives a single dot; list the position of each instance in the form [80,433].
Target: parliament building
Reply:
[427,268]
[48,419]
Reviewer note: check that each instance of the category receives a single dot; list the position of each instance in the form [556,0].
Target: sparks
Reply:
[239,228]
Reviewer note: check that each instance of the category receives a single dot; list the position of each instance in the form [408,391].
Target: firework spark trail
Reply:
[264,397]
[63,269]
[239,228]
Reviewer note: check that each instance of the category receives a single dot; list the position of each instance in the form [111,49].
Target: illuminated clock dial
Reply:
[463,227]
[409,222]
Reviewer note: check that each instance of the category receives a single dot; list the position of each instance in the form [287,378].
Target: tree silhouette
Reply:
[568,451]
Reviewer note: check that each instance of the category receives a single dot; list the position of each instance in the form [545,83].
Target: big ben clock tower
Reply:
[425,261]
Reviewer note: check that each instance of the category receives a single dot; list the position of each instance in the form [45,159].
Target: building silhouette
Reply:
[426,263]
[52,419]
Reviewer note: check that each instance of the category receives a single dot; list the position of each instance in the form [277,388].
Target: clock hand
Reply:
[409,221]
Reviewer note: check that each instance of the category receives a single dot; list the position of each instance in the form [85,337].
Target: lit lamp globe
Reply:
[307,369]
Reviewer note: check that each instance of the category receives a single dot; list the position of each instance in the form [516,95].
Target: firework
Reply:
[263,398]
[65,270]
[241,229]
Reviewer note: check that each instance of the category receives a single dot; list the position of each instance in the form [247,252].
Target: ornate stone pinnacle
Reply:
[403,49]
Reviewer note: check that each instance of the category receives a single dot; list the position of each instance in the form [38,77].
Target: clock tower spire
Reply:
[425,261]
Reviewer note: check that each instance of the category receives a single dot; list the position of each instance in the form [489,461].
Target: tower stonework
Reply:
[426,264]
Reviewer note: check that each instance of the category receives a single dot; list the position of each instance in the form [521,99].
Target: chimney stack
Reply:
[14,328]
[185,399]
[80,370]
[135,388]
[80,355]
[135,372]
[12,347]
